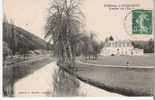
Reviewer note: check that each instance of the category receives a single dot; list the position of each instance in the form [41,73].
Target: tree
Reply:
[11,30]
[6,50]
[84,46]
[148,46]
[13,38]
[90,48]
[62,26]
[111,38]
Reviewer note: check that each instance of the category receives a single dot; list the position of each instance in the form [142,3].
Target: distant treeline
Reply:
[18,40]
[148,46]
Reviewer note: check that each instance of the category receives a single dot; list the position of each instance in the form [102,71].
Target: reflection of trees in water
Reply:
[8,81]
[65,84]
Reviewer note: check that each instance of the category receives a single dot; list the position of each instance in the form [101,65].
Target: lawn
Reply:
[123,60]
[124,80]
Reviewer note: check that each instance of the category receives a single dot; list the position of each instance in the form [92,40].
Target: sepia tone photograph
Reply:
[78,48]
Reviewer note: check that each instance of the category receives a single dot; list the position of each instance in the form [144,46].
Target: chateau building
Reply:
[120,48]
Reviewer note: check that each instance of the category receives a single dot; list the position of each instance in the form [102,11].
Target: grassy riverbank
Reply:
[122,60]
[126,81]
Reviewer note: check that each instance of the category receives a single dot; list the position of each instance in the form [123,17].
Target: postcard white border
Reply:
[62,98]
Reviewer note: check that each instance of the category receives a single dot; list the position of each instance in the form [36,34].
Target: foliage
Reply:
[111,38]
[148,46]
[89,47]
[63,26]
[6,50]
[20,40]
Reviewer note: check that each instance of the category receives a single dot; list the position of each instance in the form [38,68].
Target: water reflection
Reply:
[16,71]
[65,84]
[8,81]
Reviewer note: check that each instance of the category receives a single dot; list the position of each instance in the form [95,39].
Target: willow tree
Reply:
[63,24]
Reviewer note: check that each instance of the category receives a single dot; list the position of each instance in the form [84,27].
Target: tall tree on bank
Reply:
[63,24]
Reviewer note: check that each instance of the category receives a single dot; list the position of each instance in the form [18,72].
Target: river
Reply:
[51,81]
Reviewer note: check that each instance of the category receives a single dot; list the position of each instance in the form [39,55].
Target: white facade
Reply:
[120,48]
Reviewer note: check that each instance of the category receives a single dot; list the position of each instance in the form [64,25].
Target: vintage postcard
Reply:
[78,48]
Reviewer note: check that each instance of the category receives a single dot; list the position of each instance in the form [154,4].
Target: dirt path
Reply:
[40,82]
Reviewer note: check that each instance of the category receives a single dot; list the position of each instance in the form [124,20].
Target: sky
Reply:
[31,15]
